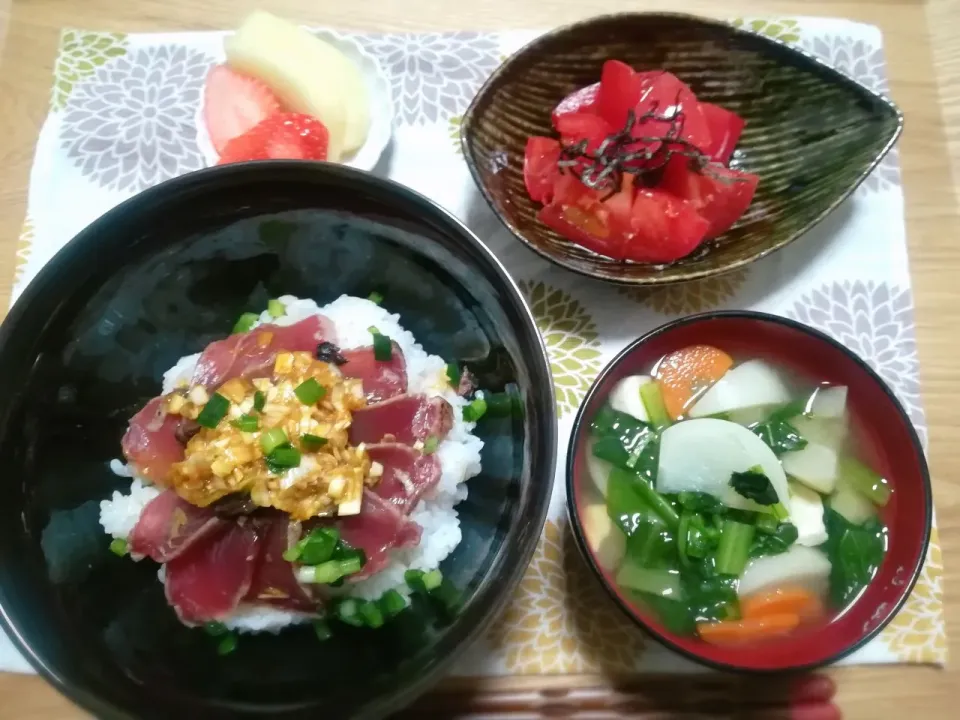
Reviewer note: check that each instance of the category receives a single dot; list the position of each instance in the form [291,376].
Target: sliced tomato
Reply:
[620,90]
[583,100]
[540,171]
[574,127]
[665,95]
[719,194]
[665,228]
[725,130]
[581,215]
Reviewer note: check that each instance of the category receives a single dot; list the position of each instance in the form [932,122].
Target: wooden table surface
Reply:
[923,51]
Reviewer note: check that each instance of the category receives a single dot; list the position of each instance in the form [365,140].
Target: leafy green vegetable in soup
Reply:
[712,528]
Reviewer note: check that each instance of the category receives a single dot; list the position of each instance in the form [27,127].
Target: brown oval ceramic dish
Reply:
[812,133]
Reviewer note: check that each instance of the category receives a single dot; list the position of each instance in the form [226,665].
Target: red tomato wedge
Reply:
[666,95]
[665,228]
[725,130]
[583,100]
[719,194]
[574,127]
[540,171]
[620,91]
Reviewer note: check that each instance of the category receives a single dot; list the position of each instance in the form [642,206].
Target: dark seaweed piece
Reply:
[330,353]
[233,505]
[186,429]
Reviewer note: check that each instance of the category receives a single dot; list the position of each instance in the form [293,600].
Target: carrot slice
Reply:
[686,373]
[737,632]
[797,600]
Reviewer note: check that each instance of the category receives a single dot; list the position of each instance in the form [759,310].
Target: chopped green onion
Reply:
[370,612]
[215,629]
[319,546]
[503,404]
[312,442]
[375,297]
[347,612]
[283,457]
[382,348]
[453,374]
[373,330]
[245,322]
[392,603]
[322,629]
[329,571]
[345,552]
[118,547]
[414,580]
[246,423]
[228,644]
[432,580]
[430,444]
[214,411]
[475,410]
[273,438]
[259,400]
[276,308]
[309,392]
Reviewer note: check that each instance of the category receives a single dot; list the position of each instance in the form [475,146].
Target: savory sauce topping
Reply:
[283,439]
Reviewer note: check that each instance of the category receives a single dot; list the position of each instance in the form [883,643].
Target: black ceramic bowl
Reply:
[161,276]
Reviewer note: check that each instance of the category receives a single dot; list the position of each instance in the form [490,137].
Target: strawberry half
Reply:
[233,104]
[285,136]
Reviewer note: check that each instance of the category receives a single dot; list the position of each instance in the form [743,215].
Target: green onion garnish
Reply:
[273,438]
[347,612]
[311,443]
[475,410]
[309,392]
[370,612]
[246,423]
[432,580]
[259,400]
[375,297]
[214,411]
[276,308]
[392,603]
[322,629]
[283,458]
[215,629]
[373,330]
[414,579]
[382,346]
[317,547]
[430,444]
[245,322]
[228,644]
[447,594]
[453,374]
[118,547]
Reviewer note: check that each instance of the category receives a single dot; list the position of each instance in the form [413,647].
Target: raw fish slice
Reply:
[169,526]
[150,443]
[208,582]
[407,474]
[404,419]
[274,582]
[382,379]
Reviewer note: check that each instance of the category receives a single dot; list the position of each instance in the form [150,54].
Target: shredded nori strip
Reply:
[330,353]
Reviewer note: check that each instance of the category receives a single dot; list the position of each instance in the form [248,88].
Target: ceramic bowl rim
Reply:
[534,45]
[579,425]
[497,594]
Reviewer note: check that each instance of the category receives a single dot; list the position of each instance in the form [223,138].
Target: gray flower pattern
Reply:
[876,322]
[434,75]
[866,64]
[132,123]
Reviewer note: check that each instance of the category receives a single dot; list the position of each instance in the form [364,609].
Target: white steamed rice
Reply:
[459,456]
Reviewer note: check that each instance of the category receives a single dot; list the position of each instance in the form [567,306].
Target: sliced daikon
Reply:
[750,416]
[626,396]
[701,455]
[806,514]
[815,466]
[605,539]
[306,74]
[799,565]
[831,432]
[752,384]
[599,471]
[828,402]
[851,504]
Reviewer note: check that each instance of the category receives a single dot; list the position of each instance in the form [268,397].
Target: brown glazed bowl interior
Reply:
[812,133]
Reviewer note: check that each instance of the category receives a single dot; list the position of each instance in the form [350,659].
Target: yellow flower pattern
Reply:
[917,633]
[24,246]
[779,28]
[560,621]
[571,339]
[453,132]
[81,53]
[689,297]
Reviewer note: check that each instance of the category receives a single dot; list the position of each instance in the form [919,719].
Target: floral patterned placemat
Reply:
[122,119]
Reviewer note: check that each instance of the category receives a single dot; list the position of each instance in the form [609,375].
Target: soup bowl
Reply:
[882,438]
[161,276]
